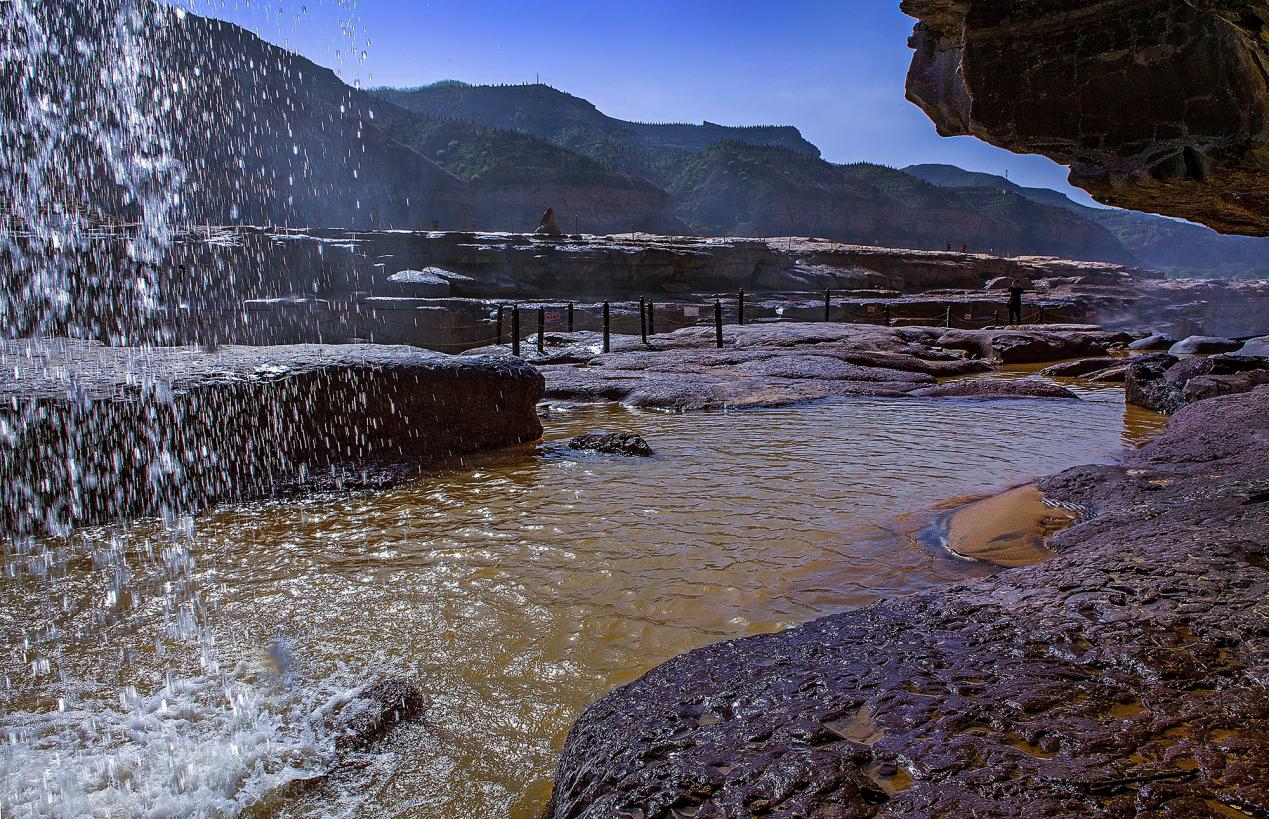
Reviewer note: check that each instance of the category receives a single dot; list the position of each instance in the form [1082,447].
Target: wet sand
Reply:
[1009,529]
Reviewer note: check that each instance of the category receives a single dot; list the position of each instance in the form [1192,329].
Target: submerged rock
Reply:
[1072,369]
[1124,672]
[612,443]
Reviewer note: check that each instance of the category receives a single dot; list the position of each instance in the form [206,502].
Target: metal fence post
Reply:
[515,329]
[827,301]
[652,327]
[541,330]
[607,346]
[498,339]
[887,315]
[740,307]
[570,317]
[718,323]
[643,321]
[947,317]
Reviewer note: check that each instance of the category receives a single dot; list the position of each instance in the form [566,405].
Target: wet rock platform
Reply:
[775,364]
[1124,677]
[95,433]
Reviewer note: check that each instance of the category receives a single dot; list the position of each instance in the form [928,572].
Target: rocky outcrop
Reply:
[1123,677]
[1157,105]
[97,432]
[1161,382]
[612,443]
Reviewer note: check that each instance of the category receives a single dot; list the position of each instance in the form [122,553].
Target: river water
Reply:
[515,586]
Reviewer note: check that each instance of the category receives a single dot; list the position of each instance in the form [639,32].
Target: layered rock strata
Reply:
[1126,676]
[1157,105]
[97,432]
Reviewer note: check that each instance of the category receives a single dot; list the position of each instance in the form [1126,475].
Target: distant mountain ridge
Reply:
[1180,248]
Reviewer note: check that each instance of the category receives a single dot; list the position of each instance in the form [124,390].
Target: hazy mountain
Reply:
[739,189]
[1180,248]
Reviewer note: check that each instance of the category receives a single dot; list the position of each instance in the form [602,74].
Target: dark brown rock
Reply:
[367,713]
[1123,677]
[103,432]
[1171,96]
[1016,346]
[612,443]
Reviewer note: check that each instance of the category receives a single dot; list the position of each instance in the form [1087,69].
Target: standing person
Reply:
[1015,302]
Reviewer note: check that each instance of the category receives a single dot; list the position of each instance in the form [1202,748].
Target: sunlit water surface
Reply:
[516,586]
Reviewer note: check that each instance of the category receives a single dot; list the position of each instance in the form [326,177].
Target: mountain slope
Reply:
[516,176]
[1179,248]
[643,149]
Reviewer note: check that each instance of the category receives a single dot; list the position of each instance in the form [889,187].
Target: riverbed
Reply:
[171,667]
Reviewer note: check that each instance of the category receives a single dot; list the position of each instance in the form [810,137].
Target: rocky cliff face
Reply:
[1157,105]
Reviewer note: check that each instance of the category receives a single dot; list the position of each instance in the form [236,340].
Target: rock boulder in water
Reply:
[1197,345]
[1154,341]
[367,713]
[612,443]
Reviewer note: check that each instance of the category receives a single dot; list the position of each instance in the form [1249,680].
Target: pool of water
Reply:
[171,669]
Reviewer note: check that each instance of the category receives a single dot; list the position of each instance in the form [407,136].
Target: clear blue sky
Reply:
[833,68]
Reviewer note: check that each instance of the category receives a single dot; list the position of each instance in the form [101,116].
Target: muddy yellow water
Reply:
[172,668]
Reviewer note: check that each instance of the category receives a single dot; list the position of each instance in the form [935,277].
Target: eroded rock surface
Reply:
[1157,105]
[103,432]
[1124,677]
